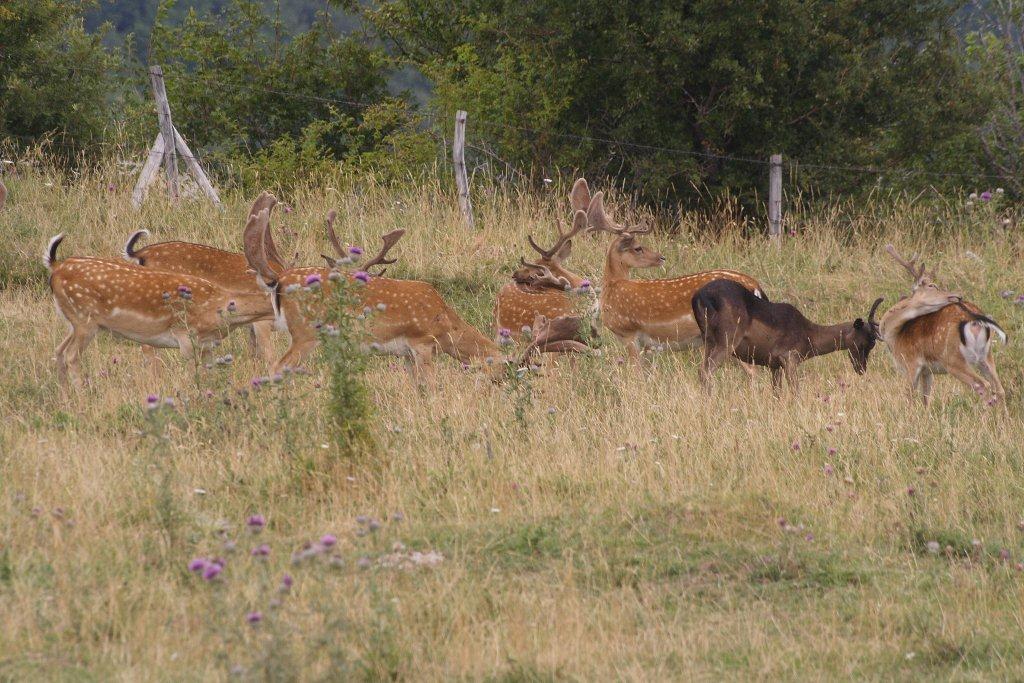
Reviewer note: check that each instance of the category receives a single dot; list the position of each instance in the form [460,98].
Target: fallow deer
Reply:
[734,322]
[153,307]
[225,269]
[933,332]
[649,313]
[408,317]
[542,287]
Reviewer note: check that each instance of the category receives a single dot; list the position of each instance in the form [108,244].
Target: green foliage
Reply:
[293,105]
[350,399]
[55,77]
[851,82]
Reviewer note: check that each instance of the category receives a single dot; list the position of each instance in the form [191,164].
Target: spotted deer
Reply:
[649,313]
[153,307]
[225,269]
[541,288]
[934,331]
[733,322]
[408,318]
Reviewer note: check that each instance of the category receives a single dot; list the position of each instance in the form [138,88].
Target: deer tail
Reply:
[50,255]
[129,252]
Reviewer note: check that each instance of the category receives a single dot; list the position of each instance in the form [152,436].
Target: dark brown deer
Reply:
[735,322]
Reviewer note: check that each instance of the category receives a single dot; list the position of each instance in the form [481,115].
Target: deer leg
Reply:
[963,373]
[789,367]
[750,369]
[715,353]
[988,370]
[261,336]
[58,357]
[777,381]
[421,364]
[80,338]
[303,342]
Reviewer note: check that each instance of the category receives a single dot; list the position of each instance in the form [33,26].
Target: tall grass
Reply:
[602,521]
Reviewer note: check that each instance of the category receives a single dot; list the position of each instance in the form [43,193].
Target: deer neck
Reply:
[614,268]
[251,307]
[825,339]
[468,344]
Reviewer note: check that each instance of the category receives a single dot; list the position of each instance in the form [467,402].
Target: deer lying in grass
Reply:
[154,307]
[542,287]
[934,331]
[649,313]
[225,269]
[408,317]
[734,322]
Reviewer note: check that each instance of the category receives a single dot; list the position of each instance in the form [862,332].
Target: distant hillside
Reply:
[136,16]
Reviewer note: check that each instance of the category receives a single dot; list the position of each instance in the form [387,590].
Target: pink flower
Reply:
[254,617]
[362,276]
[212,571]
[256,523]
[313,279]
[355,251]
[197,564]
[829,470]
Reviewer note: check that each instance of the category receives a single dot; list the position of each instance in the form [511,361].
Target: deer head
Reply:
[861,338]
[538,275]
[917,272]
[552,257]
[625,249]
[557,334]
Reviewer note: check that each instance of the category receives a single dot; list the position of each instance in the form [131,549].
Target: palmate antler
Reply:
[598,219]
[390,240]
[579,197]
[579,225]
[254,241]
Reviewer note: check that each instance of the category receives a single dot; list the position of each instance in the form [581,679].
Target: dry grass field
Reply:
[594,521]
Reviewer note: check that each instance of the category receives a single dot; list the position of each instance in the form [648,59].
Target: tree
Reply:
[54,77]
[661,93]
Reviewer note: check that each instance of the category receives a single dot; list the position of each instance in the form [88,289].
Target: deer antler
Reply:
[390,240]
[333,236]
[579,197]
[599,219]
[267,202]
[911,266]
[579,224]
[254,241]
[872,324]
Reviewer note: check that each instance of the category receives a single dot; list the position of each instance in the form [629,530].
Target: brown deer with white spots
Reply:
[934,331]
[649,313]
[407,318]
[543,287]
[153,307]
[225,269]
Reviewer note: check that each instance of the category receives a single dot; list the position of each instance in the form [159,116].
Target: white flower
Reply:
[999,190]
[972,196]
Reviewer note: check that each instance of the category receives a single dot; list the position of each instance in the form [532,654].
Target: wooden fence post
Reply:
[197,171]
[149,169]
[775,198]
[163,112]
[459,160]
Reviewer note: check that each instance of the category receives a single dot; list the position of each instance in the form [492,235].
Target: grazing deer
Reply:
[408,318]
[649,313]
[934,331]
[225,269]
[541,287]
[154,307]
[735,322]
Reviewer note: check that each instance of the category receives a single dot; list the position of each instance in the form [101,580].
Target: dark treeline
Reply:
[670,99]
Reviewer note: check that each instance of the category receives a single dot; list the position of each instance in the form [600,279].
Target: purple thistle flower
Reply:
[313,279]
[1006,293]
[373,525]
[584,284]
[828,470]
[152,399]
[287,209]
[362,519]
[355,251]
[184,289]
[504,333]
[1004,554]
[986,195]
[261,550]
[287,581]
[832,451]
[256,523]
[362,276]
[232,306]
[197,564]
[328,540]
[212,571]
[111,187]
[364,563]
[254,617]
[795,446]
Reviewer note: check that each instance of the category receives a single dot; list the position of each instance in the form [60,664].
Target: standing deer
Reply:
[541,287]
[735,322]
[933,331]
[225,269]
[411,319]
[154,307]
[649,313]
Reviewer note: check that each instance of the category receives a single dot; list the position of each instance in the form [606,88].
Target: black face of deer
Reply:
[861,339]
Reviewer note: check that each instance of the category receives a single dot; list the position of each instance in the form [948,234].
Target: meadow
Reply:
[592,521]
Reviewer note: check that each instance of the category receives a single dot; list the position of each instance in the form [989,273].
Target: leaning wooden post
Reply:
[163,112]
[149,170]
[775,198]
[459,160]
[197,171]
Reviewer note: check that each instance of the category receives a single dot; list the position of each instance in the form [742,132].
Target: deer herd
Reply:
[190,296]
